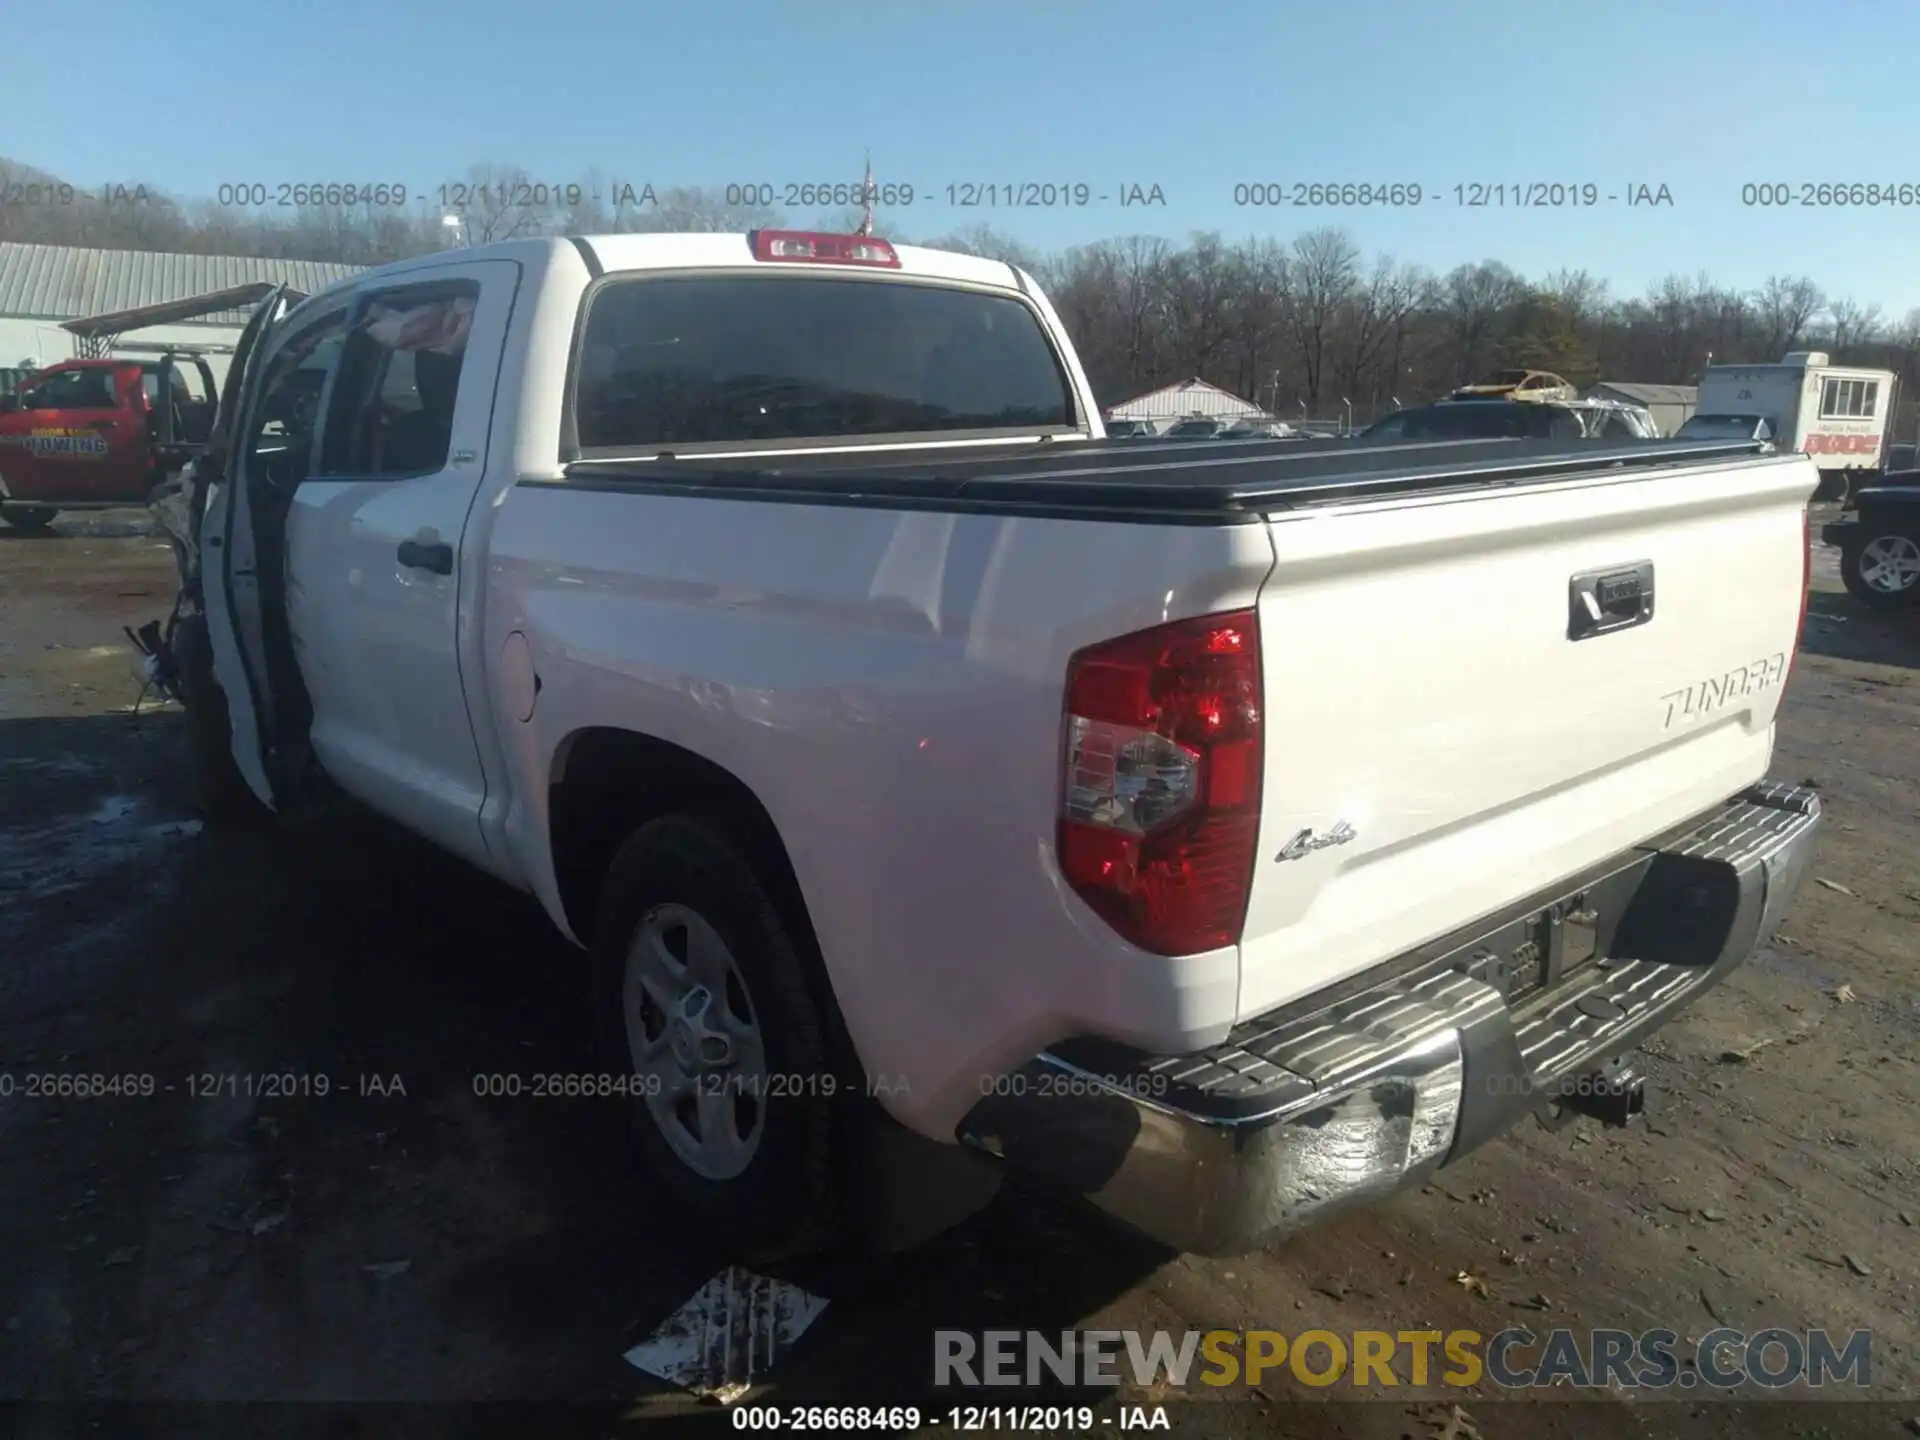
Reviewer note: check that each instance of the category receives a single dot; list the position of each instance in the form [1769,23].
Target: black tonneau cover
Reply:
[1209,482]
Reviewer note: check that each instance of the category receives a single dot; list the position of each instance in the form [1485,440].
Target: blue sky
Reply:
[1702,98]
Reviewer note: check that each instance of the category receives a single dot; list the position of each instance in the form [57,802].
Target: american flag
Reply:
[869,194]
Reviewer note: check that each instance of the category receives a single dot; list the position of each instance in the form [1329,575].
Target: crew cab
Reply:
[91,434]
[1228,834]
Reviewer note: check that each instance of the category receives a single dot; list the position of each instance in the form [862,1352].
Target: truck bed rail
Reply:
[1205,482]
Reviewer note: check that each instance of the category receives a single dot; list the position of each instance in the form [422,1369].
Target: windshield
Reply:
[1195,427]
[725,359]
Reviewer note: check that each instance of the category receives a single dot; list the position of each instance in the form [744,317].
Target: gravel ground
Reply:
[401,1240]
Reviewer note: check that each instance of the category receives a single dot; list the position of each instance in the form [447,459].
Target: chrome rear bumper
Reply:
[1298,1116]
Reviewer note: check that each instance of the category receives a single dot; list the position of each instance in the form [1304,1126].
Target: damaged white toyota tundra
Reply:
[1226,832]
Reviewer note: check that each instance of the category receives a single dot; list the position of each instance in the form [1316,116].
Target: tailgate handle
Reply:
[1600,602]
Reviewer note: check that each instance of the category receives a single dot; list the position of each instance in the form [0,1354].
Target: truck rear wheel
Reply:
[704,999]
[29,519]
[1882,567]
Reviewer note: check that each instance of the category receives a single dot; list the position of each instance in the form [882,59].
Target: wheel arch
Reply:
[605,782]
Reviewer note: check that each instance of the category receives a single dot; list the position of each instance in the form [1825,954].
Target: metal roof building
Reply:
[42,285]
[1189,397]
[1671,405]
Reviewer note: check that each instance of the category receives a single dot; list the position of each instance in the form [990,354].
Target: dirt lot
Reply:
[416,1243]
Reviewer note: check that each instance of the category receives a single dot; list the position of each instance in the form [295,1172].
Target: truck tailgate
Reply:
[1439,743]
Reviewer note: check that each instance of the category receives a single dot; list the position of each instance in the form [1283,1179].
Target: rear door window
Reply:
[718,360]
[393,407]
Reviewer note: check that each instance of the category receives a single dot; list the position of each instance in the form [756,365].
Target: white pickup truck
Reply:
[1227,832]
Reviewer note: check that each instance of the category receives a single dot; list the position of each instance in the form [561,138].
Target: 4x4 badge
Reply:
[1306,841]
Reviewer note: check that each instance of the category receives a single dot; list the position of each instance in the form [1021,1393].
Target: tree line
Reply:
[1310,326]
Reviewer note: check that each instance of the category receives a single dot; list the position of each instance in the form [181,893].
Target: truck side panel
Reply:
[889,685]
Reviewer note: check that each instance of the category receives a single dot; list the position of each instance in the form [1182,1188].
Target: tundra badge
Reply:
[1306,841]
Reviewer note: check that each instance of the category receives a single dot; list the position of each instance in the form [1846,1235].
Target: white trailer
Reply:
[1838,414]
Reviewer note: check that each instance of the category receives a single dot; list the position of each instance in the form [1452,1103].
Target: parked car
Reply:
[87,434]
[1195,427]
[1615,420]
[1512,419]
[1258,430]
[1477,420]
[1725,427]
[1529,385]
[1129,429]
[1880,542]
[941,788]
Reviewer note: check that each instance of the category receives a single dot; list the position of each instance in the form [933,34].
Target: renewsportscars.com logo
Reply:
[1515,1358]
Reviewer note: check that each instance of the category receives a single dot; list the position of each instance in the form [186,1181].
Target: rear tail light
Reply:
[1160,800]
[822,249]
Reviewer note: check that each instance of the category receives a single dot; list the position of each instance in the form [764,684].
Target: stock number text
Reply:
[259,194]
[768,193]
[782,1418]
[1822,196]
[68,1086]
[1072,1082]
[1273,193]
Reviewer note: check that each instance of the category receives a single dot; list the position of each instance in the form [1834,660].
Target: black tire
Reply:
[786,1202]
[219,789]
[1854,559]
[29,519]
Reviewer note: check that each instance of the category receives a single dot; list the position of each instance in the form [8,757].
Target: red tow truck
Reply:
[101,432]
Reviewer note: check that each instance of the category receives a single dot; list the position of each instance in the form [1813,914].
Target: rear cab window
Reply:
[678,361]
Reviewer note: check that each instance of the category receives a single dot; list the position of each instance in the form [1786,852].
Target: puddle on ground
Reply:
[50,858]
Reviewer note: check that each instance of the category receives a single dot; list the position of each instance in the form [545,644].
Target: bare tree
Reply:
[1200,300]
[691,208]
[1323,271]
[501,202]
[1474,300]
[1370,320]
[1854,324]
[1783,307]
[989,244]
[1259,335]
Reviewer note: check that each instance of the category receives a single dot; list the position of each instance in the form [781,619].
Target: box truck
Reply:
[1838,414]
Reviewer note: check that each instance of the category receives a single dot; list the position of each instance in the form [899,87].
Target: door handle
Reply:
[427,555]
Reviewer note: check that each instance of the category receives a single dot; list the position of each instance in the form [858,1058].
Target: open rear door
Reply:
[229,583]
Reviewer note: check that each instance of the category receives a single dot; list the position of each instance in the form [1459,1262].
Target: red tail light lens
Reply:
[821,249]
[1160,802]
